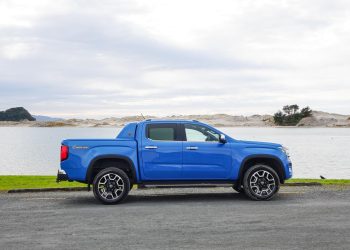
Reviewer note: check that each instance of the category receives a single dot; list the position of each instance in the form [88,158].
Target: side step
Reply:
[199,185]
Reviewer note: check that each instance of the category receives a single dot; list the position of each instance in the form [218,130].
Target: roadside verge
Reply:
[70,189]
[26,184]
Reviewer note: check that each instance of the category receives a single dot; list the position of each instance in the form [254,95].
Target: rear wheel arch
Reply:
[274,162]
[106,161]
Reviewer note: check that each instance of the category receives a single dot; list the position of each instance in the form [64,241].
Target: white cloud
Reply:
[104,58]
[14,50]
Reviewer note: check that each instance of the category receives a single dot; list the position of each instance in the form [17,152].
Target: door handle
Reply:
[192,148]
[151,147]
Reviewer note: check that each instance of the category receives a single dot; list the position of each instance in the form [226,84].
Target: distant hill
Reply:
[43,118]
[16,114]
[324,119]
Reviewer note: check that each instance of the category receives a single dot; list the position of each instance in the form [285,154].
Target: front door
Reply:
[204,157]
[161,152]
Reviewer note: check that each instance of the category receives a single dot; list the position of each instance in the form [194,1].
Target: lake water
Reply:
[314,151]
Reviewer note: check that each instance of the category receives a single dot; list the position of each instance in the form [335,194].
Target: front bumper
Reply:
[61,176]
[289,170]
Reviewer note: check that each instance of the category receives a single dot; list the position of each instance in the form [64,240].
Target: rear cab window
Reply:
[162,132]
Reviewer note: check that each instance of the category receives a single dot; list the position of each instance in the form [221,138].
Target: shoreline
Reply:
[27,124]
[318,119]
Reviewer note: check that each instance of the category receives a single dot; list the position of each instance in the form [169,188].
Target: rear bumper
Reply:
[61,176]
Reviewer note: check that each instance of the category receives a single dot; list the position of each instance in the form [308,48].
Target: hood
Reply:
[262,144]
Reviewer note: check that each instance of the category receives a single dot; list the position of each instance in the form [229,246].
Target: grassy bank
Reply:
[8,182]
[321,181]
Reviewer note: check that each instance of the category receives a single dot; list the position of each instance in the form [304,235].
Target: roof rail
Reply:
[164,119]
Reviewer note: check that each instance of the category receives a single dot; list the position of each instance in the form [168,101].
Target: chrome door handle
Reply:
[191,148]
[151,147]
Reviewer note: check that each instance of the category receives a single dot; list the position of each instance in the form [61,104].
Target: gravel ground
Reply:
[197,218]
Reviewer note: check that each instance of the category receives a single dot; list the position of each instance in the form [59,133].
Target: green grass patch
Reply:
[8,182]
[321,181]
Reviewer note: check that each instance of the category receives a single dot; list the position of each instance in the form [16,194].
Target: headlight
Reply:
[284,150]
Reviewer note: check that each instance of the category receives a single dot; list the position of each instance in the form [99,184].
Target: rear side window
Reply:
[161,132]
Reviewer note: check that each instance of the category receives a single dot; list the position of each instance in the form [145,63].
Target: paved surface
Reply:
[200,218]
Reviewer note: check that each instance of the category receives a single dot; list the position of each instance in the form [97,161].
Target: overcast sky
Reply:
[114,58]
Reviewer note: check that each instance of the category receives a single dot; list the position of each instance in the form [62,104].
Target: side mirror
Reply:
[222,138]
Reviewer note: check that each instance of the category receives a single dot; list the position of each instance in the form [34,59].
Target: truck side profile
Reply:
[173,152]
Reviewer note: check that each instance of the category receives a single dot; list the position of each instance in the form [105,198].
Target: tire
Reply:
[111,186]
[261,182]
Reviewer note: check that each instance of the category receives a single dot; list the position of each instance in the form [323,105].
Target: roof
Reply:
[169,120]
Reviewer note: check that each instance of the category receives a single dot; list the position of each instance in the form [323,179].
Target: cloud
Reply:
[112,58]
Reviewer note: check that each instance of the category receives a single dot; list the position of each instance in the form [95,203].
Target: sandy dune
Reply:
[319,119]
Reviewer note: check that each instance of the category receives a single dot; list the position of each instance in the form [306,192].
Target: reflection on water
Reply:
[314,151]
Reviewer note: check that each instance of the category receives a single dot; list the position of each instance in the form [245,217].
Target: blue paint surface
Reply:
[178,160]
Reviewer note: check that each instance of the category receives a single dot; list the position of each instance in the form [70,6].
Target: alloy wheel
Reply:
[110,186]
[262,183]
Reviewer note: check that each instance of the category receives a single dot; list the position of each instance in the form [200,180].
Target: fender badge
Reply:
[80,147]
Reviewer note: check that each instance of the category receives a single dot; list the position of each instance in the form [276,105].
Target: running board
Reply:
[200,184]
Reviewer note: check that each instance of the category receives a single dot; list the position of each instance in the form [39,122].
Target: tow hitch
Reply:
[61,176]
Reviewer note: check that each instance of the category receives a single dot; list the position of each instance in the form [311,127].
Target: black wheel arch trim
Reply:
[109,156]
[264,156]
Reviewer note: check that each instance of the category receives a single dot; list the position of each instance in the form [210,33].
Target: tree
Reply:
[290,109]
[291,116]
[294,108]
[278,118]
[306,112]
[286,109]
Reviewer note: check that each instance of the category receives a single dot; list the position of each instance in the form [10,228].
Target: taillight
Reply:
[64,152]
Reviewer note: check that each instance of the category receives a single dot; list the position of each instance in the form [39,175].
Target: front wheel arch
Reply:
[272,161]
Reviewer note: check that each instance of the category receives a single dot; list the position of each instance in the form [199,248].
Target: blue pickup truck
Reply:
[163,152]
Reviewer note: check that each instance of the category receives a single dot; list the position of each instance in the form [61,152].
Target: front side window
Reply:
[200,133]
[161,132]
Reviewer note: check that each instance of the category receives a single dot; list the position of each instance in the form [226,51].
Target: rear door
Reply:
[204,157]
[161,152]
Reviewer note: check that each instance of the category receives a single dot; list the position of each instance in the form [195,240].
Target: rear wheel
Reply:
[111,186]
[261,182]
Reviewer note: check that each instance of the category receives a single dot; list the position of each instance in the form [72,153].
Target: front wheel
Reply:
[111,186]
[261,182]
